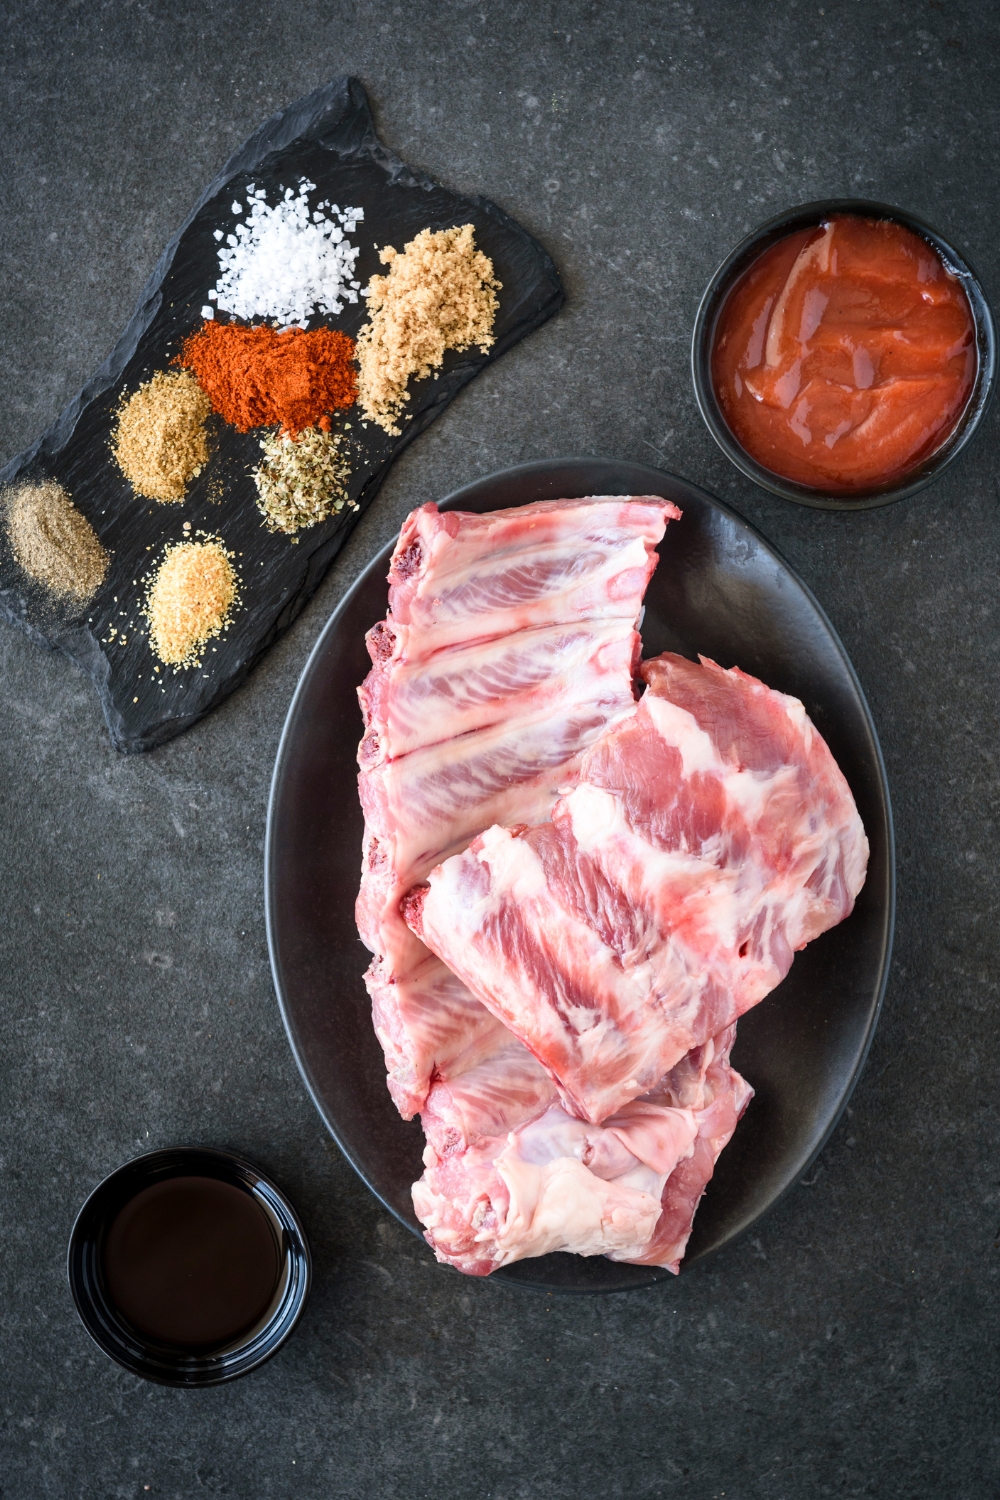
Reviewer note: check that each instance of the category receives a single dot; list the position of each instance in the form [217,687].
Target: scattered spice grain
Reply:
[190,600]
[161,441]
[256,377]
[52,541]
[302,480]
[440,293]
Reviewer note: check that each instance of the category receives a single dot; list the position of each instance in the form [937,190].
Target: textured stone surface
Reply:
[848,1347]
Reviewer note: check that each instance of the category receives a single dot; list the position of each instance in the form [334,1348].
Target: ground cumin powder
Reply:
[190,600]
[440,293]
[52,541]
[161,441]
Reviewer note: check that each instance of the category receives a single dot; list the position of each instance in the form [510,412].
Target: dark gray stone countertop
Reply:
[847,1347]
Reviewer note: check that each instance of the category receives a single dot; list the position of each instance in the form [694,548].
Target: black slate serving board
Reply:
[328,137]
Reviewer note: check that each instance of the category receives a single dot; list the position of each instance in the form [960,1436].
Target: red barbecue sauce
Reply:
[845,356]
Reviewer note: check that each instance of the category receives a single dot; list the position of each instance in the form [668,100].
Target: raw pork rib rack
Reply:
[709,836]
[628,1189]
[510,645]
[603,886]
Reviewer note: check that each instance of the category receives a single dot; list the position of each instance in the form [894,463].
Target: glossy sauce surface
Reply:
[845,356]
[192,1262]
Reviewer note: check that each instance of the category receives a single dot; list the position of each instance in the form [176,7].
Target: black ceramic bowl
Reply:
[166,1363]
[707,320]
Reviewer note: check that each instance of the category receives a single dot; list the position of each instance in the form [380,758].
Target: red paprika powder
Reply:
[256,377]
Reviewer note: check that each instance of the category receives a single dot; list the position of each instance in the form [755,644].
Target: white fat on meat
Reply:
[628,1189]
[710,836]
[556,1184]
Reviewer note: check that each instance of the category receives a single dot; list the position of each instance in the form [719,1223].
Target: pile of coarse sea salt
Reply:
[287,262]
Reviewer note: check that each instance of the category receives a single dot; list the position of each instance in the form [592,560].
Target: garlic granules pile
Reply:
[190,600]
[440,293]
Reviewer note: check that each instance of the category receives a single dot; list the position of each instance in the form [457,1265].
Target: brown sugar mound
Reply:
[440,293]
[52,541]
[161,441]
[190,600]
[257,377]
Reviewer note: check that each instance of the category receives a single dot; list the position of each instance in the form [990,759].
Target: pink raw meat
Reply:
[704,1082]
[432,802]
[498,1089]
[510,646]
[464,688]
[457,577]
[628,1189]
[710,836]
[429,1026]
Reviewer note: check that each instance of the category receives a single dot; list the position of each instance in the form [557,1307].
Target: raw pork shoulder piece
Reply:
[511,644]
[628,1189]
[710,836]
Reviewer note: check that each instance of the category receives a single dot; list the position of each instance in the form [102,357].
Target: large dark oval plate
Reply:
[720,589]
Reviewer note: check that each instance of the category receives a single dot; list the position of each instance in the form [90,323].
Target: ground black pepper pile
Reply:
[52,541]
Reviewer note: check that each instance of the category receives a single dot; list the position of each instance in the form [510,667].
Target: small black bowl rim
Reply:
[737,261]
[197,1371]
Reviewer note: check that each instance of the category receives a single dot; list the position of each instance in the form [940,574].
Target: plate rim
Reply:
[452,501]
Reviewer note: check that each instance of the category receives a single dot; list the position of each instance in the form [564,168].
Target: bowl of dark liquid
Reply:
[188,1266]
